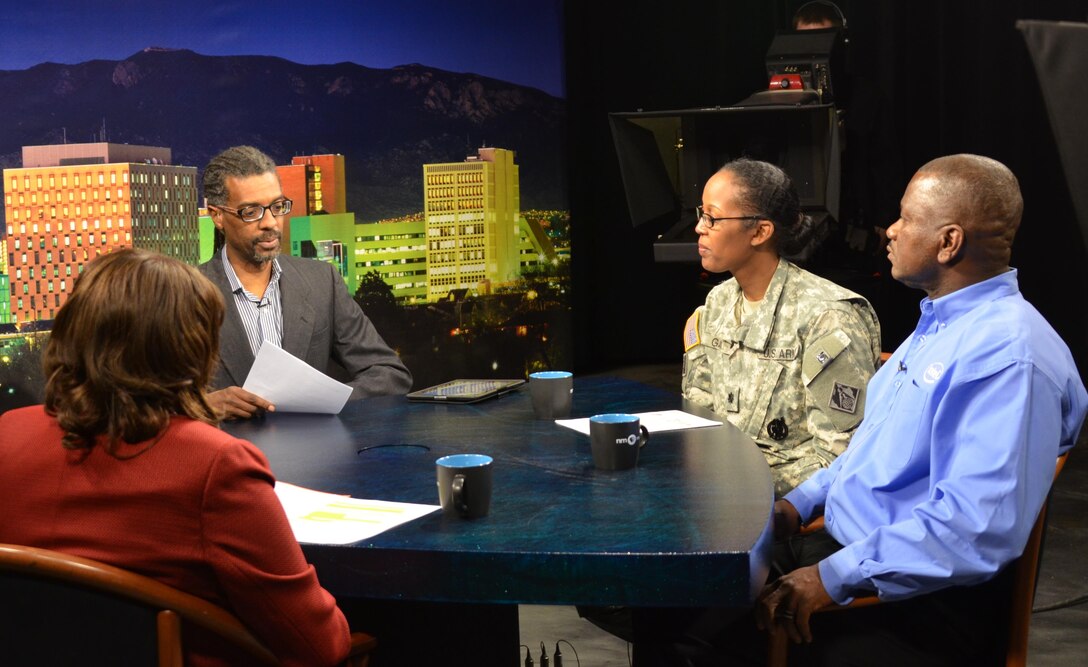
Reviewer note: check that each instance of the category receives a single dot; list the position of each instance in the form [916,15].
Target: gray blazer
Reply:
[322,325]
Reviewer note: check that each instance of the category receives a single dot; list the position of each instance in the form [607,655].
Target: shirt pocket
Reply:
[762,402]
[906,429]
[697,383]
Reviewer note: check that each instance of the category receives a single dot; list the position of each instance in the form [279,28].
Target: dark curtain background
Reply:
[956,77]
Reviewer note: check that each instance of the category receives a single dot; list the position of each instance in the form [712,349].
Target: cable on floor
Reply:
[1071,602]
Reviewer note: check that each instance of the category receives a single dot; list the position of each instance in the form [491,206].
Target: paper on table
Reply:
[326,518]
[665,420]
[292,385]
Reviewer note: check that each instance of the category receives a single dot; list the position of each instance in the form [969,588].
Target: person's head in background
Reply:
[818,15]
[135,344]
[751,215]
[245,201]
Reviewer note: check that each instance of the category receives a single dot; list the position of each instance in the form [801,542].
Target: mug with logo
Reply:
[616,439]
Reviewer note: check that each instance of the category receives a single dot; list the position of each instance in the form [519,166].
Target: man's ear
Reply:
[217,218]
[950,248]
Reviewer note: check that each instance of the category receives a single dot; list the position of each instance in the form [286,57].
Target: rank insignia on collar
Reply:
[844,398]
[777,429]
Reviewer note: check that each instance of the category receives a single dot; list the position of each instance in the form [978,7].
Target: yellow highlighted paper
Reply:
[317,517]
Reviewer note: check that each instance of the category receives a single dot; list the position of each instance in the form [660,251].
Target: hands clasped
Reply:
[790,601]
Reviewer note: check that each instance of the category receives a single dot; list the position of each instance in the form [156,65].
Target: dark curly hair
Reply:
[237,161]
[135,344]
[767,191]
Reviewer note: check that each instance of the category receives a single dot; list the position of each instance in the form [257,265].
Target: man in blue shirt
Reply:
[940,485]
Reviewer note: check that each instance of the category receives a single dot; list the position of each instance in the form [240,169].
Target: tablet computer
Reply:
[465,391]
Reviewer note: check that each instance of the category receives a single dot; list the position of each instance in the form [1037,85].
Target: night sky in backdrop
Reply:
[519,41]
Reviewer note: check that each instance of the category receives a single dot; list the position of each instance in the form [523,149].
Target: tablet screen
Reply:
[465,391]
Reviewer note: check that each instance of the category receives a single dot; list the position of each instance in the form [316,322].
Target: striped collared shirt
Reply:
[262,318]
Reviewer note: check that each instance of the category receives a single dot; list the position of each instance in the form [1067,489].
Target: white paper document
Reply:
[292,385]
[665,420]
[326,518]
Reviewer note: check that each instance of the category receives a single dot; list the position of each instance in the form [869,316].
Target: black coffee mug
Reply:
[616,439]
[551,394]
[464,484]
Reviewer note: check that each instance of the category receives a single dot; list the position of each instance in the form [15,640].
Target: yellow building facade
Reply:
[471,213]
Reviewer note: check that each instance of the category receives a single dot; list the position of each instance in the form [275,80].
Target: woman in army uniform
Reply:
[781,353]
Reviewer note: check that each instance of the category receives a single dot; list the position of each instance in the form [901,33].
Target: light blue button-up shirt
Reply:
[944,478]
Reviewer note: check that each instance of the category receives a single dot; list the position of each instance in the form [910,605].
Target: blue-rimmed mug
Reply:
[615,439]
[464,484]
[551,392]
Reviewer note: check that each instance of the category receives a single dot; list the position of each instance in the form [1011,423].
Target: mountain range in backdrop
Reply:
[387,123]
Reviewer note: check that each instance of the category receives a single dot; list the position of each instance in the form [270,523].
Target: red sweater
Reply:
[197,511]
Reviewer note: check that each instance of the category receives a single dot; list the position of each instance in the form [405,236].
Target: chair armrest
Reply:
[812,526]
[361,646]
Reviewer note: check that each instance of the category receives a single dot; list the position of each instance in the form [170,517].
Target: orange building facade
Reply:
[326,190]
[61,216]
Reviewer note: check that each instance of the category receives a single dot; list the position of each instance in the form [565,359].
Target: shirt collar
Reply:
[950,306]
[232,277]
[762,323]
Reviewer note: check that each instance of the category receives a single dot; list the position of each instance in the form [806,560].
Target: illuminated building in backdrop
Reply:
[316,184]
[471,211]
[398,252]
[5,285]
[69,203]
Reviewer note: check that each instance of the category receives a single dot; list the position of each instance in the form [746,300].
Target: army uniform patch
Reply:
[821,352]
[779,354]
[691,331]
[844,398]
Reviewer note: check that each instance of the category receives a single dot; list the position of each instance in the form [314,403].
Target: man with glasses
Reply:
[301,305]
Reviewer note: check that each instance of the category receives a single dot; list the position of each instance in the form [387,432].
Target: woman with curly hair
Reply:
[125,464]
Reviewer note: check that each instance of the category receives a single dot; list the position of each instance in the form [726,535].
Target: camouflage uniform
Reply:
[793,376]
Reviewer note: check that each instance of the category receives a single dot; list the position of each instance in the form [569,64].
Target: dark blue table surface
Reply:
[689,526]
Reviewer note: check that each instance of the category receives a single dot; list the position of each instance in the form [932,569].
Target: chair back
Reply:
[1025,577]
[1025,572]
[58,609]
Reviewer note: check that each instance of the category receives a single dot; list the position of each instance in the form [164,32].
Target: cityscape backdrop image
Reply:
[437,191]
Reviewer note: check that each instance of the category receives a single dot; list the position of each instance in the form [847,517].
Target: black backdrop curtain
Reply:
[957,77]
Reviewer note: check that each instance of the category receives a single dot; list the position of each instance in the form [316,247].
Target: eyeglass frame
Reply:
[264,209]
[711,220]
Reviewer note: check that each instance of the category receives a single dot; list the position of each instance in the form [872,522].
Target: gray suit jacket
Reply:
[322,325]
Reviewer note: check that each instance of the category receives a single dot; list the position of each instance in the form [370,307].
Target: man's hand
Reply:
[790,601]
[787,520]
[237,403]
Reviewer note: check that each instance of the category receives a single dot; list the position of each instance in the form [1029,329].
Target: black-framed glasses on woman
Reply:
[710,221]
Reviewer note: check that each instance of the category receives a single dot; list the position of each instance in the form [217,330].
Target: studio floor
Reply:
[1059,637]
